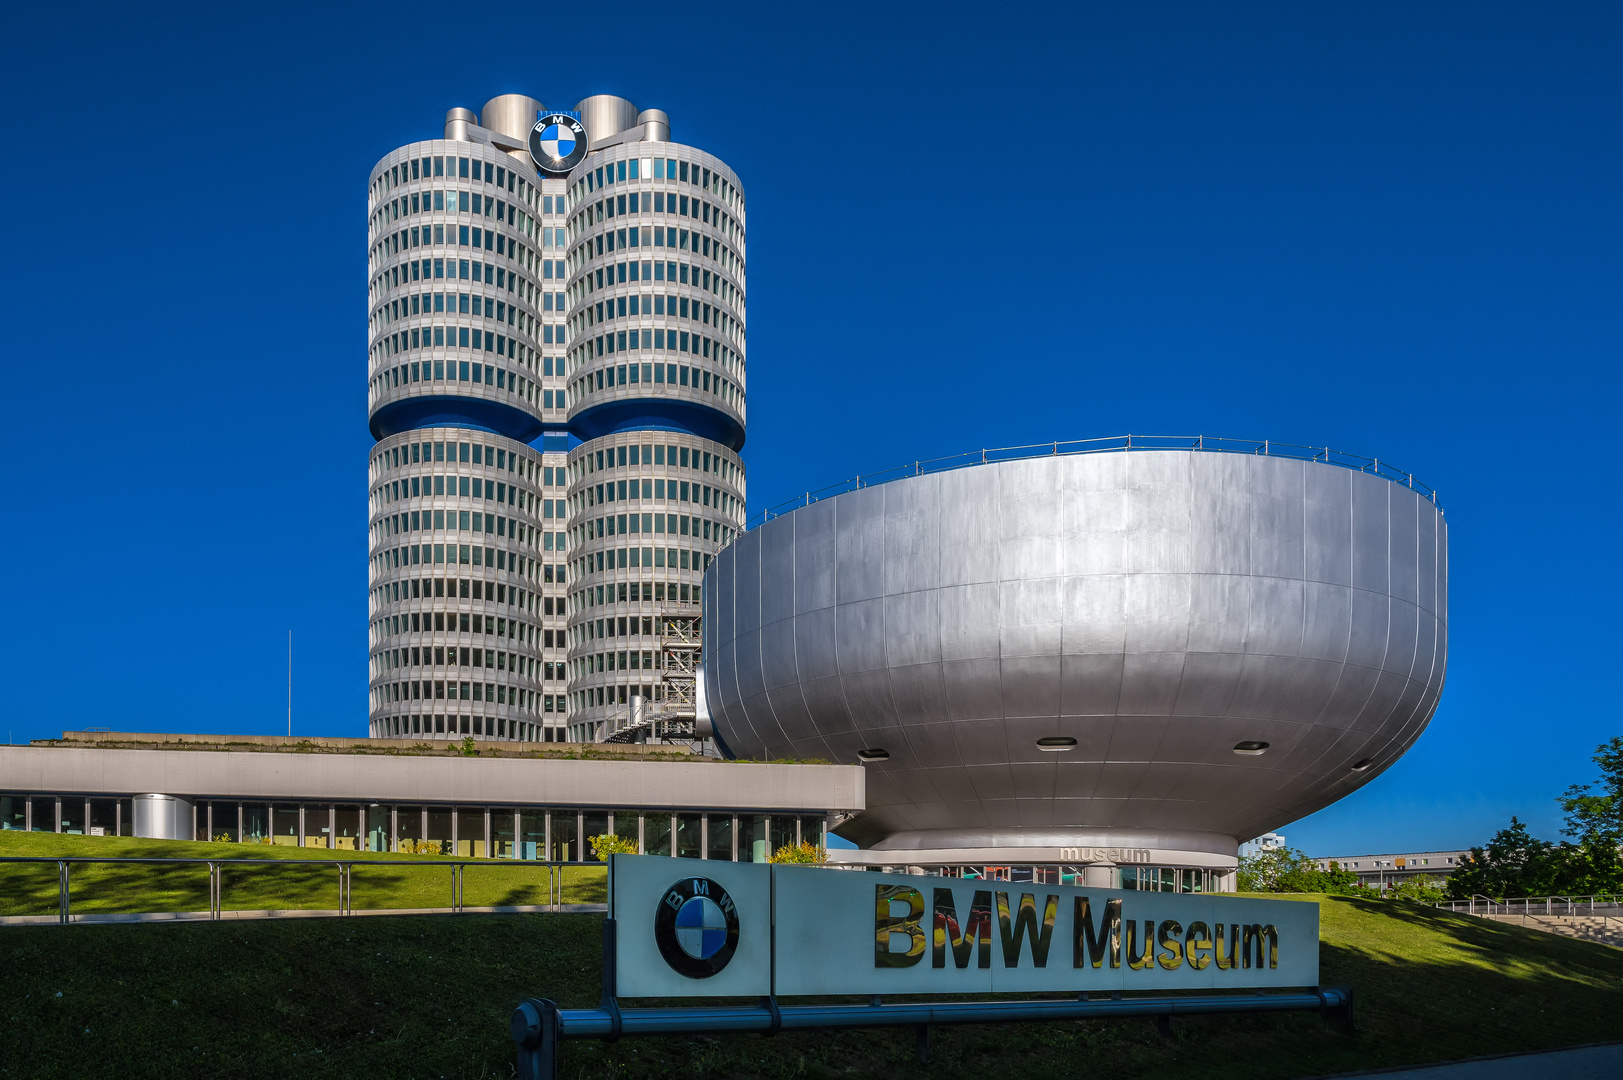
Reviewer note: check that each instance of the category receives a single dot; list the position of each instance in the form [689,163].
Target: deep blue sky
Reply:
[1388,228]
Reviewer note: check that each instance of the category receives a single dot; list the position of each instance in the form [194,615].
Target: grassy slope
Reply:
[428,996]
[32,889]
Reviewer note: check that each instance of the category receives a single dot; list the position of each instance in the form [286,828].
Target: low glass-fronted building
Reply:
[520,805]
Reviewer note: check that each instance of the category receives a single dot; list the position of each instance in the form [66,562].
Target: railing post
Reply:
[63,915]
[534,1027]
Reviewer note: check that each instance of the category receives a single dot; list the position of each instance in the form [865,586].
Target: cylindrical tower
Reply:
[467,404]
[656,376]
[514,308]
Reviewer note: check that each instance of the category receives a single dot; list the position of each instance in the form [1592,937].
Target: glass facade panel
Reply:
[13,813]
[285,825]
[377,828]
[409,830]
[594,823]
[348,833]
[721,837]
[625,827]
[532,833]
[470,832]
[255,823]
[222,830]
[753,840]
[690,836]
[126,817]
[200,819]
[317,825]
[502,844]
[438,841]
[73,814]
[811,830]
[44,819]
[781,833]
[565,841]
[656,833]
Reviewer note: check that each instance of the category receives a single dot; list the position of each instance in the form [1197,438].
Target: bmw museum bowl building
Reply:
[1106,666]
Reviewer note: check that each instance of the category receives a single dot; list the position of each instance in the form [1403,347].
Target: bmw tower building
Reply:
[556,390]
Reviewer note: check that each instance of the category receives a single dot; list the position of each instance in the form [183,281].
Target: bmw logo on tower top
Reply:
[696,927]
[557,143]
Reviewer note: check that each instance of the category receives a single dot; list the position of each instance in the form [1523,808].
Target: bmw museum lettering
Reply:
[753,929]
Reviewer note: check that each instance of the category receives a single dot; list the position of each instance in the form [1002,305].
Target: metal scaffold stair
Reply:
[671,717]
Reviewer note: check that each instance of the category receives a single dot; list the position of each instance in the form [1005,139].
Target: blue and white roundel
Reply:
[557,142]
[701,928]
[696,927]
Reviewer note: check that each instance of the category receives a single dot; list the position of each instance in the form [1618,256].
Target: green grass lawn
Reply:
[429,996]
[32,889]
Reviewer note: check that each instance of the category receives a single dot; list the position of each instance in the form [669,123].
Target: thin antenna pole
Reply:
[290,684]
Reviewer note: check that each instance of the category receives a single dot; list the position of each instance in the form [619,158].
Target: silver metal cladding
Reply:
[458,122]
[1175,613]
[605,115]
[655,124]
[511,114]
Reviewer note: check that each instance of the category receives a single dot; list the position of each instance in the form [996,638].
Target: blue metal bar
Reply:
[538,1024]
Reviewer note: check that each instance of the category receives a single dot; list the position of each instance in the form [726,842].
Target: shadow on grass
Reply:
[406,996]
[109,888]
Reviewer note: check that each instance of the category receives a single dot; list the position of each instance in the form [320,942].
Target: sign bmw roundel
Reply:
[696,927]
[557,143]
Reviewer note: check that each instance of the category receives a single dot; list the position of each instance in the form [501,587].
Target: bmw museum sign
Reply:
[747,929]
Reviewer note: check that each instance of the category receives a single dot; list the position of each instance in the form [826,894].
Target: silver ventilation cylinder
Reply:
[162,817]
[458,124]
[656,126]
[512,115]
[604,116]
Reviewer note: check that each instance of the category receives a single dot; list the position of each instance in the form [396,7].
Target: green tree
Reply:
[1287,870]
[1514,863]
[1595,810]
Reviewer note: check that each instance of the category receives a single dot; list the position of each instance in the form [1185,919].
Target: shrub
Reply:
[609,844]
[1421,890]
[807,854]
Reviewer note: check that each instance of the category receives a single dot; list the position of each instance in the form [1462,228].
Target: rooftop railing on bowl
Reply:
[1116,444]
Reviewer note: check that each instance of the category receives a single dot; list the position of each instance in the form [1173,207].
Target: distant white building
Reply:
[1269,841]
[1384,871]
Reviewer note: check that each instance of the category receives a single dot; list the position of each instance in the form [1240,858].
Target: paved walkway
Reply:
[1583,1063]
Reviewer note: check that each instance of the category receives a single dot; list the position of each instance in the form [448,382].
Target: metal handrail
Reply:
[345,867]
[1116,444]
[1538,905]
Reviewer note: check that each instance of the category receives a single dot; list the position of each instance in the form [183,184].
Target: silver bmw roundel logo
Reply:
[696,927]
[557,143]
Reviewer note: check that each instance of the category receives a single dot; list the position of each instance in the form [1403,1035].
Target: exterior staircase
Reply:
[1588,918]
[1606,929]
